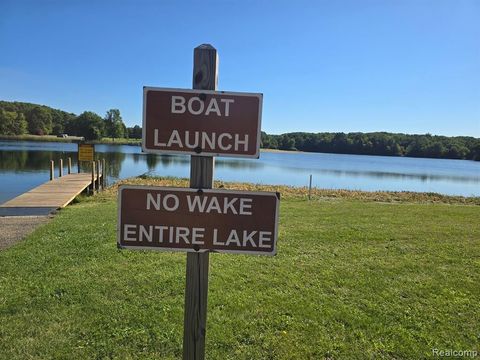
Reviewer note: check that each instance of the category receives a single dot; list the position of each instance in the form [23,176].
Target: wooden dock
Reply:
[56,193]
[21,215]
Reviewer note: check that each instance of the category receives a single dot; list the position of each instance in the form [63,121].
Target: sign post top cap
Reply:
[205,47]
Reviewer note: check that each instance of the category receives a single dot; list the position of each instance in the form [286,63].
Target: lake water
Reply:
[24,165]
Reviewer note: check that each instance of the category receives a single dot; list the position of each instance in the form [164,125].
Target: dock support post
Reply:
[69,165]
[93,178]
[52,170]
[205,69]
[60,168]
[98,175]
[103,174]
[310,188]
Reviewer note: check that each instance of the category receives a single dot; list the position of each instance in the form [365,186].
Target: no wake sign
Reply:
[184,219]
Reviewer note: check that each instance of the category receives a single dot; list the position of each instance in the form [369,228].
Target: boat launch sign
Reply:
[201,122]
[183,219]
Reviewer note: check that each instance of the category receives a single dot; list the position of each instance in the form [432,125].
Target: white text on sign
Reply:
[195,236]
[201,204]
[201,122]
[196,106]
[186,219]
[210,141]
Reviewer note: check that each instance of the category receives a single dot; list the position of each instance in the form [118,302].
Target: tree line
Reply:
[377,143]
[19,118]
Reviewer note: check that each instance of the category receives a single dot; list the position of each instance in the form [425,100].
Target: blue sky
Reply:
[359,65]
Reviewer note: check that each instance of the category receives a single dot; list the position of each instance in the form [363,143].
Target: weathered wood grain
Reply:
[52,170]
[205,77]
[57,193]
[93,177]
[103,174]
[97,182]
[60,168]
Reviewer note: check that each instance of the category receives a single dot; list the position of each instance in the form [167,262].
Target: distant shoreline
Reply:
[109,141]
[40,138]
[69,139]
[138,142]
[282,151]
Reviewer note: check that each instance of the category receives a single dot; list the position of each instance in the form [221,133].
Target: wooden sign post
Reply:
[205,77]
[198,219]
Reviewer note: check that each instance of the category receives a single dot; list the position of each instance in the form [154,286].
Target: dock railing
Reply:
[97,170]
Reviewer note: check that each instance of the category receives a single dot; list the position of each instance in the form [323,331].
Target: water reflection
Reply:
[27,161]
[329,170]
[239,164]
[389,175]
[114,161]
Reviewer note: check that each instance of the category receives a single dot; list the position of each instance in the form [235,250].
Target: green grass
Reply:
[352,279]
[118,141]
[54,138]
[40,138]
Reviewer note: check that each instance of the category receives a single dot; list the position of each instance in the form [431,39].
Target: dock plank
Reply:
[56,193]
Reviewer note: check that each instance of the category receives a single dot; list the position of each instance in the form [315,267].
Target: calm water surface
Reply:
[24,165]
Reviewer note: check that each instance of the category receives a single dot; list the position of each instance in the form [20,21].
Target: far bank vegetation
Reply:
[19,118]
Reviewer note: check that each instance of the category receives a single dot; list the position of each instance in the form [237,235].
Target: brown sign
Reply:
[201,122]
[86,152]
[183,219]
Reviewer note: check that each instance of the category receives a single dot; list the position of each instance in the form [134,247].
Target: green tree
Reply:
[40,121]
[286,142]
[59,121]
[114,126]
[12,123]
[269,142]
[135,132]
[457,151]
[475,152]
[89,125]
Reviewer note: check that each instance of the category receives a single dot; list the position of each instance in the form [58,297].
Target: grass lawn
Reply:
[119,141]
[41,138]
[70,138]
[353,278]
